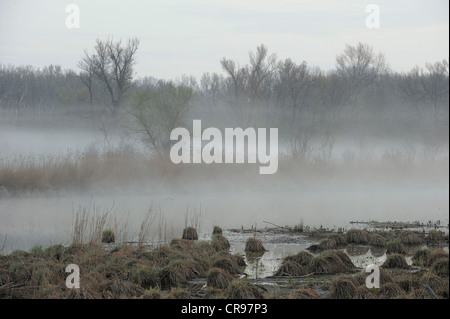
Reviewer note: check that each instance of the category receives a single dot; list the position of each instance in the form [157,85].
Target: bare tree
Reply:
[158,112]
[86,64]
[113,64]
[409,88]
[360,67]
[435,83]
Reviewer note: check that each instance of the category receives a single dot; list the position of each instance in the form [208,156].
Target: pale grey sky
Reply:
[190,37]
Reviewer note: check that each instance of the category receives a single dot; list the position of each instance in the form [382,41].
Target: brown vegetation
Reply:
[254,245]
[396,261]
[357,236]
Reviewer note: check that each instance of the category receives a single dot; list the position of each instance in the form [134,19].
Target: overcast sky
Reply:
[190,37]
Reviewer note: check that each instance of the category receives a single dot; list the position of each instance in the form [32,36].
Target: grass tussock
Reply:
[190,233]
[357,236]
[108,236]
[178,271]
[435,237]
[218,278]
[434,281]
[254,245]
[217,230]
[181,244]
[328,262]
[343,288]
[421,257]
[326,244]
[338,239]
[440,267]
[291,269]
[304,293]
[219,242]
[408,282]
[356,250]
[396,261]
[396,247]
[302,258]
[377,240]
[408,237]
[243,289]
[227,263]
[435,255]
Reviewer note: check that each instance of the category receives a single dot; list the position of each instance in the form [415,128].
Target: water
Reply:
[314,198]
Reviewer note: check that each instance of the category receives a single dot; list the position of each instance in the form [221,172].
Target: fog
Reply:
[318,195]
[360,142]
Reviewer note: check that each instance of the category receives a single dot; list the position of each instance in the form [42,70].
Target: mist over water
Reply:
[318,199]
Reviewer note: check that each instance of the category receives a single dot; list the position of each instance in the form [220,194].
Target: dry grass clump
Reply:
[385,277]
[377,240]
[390,290]
[328,262]
[440,267]
[344,258]
[190,233]
[218,278]
[343,288]
[243,289]
[356,250]
[219,242]
[327,243]
[396,247]
[304,293]
[421,257]
[120,289]
[435,237]
[144,276]
[302,258]
[226,263]
[408,282]
[217,230]
[396,261]
[254,245]
[240,260]
[178,271]
[292,269]
[338,239]
[108,236]
[357,236]
[408,237]
[435,255]
[434,281]
[181,244]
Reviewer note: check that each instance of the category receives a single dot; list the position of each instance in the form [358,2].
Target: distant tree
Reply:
[435,83]
[293,87]
[360,67]
[409,87]
[113,64]
[251,85]
[86,75]
[159,111]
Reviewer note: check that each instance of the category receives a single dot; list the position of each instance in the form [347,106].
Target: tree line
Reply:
[265,88]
